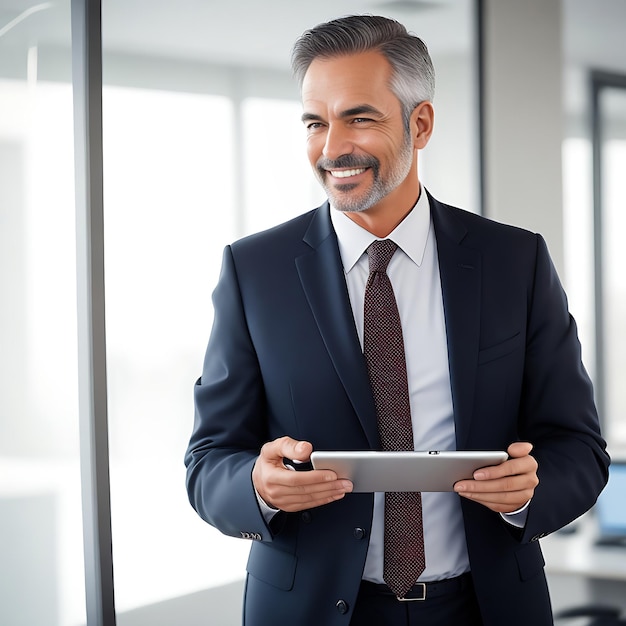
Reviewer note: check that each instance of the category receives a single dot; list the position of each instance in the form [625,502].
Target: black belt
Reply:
[421,591]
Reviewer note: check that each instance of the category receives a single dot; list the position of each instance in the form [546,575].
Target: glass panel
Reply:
[41,568]
[168,212]
[274,136]
[578,240]
[613,115]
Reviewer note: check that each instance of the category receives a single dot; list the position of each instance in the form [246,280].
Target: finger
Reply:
[286,447]
[514,466]
[308,496]
[306,480]
[503,496]
[512,499]
[519,448]
[501,503]
[293,505]
[306,493]
[519,482]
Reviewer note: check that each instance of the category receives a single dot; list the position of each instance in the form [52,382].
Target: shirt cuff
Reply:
[267,510]
[517,518]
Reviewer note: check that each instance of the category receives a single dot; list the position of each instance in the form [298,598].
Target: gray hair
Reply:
[413,75]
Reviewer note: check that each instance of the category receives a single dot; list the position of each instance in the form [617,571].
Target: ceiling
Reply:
[243,32]
[253,32]
[260,33]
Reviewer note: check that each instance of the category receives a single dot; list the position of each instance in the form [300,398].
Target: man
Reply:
[492,361]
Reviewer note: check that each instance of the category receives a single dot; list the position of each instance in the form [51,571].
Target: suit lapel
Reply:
[460,270]
[322,277]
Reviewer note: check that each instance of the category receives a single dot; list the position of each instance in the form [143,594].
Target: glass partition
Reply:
[168,211]
[612,119]
[41,568]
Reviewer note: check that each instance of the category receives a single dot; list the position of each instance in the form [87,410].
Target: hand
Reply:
[294,491]
[506,487]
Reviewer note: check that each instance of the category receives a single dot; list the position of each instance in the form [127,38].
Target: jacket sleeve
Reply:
[557,412]
[229,424]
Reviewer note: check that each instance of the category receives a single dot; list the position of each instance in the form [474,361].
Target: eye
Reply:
[361,120]
[313,126]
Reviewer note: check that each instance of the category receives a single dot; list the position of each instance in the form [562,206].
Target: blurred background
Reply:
[202,143]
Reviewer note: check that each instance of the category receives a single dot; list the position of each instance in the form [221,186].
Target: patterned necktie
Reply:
[383,347]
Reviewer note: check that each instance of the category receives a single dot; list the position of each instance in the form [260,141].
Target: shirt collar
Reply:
[410,234]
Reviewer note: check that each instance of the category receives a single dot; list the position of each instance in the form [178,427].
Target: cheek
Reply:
[313,150]
[380,145]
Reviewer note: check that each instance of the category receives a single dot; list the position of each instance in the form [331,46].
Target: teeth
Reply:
[347,173]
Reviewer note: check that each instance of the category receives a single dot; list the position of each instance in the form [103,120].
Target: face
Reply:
[357,142]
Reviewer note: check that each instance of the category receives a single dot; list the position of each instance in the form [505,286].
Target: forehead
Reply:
[343,80]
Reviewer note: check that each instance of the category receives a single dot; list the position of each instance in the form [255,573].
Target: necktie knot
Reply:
[379,254]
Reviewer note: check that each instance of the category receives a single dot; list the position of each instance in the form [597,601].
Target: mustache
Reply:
[347,161]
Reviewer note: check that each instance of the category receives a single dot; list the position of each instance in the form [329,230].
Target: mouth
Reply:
[347,173]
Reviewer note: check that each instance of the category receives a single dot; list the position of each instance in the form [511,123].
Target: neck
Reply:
[382,218]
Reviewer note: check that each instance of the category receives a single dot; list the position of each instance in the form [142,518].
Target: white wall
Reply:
[524,116]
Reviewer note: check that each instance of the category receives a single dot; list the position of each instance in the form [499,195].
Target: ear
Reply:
[422,124]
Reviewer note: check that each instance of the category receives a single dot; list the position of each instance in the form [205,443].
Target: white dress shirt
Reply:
[414,274]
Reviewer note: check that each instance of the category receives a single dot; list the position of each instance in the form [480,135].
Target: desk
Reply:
[579,572]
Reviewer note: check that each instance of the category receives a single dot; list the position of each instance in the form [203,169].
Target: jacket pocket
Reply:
[499,350]
[271,565]
[530,560]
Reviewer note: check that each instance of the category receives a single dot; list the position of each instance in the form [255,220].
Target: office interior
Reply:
[202,144]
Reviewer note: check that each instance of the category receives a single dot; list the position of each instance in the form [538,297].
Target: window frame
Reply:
[599,81]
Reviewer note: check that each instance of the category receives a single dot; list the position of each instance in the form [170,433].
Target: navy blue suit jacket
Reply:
[284,359]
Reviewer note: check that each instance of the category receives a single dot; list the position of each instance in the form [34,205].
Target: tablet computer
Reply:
[434,470]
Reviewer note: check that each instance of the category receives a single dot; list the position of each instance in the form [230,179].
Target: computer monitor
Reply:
[611,507]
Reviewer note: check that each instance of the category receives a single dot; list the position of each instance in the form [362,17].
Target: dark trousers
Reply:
[384,609]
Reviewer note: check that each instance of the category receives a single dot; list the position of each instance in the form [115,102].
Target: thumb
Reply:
[287,447]
[519,449]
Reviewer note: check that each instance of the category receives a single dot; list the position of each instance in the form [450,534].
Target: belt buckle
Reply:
[422,586]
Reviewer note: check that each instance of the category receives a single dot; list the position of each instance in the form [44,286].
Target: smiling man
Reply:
[387,320]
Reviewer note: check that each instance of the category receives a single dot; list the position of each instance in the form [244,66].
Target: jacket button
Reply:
[358,533]
[342,606]
[306,517]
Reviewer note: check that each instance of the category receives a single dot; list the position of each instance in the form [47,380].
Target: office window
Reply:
[578,241]
[594,256]
[41,542]
[279,183]
[169,210]
[612,109]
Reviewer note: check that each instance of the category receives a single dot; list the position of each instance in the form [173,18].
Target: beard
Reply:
[340,193]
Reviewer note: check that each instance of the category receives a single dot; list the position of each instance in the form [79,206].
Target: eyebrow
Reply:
[351,112]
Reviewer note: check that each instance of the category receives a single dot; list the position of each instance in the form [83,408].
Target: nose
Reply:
[337,141]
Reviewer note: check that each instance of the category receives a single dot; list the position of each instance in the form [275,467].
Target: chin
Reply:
[345,205]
